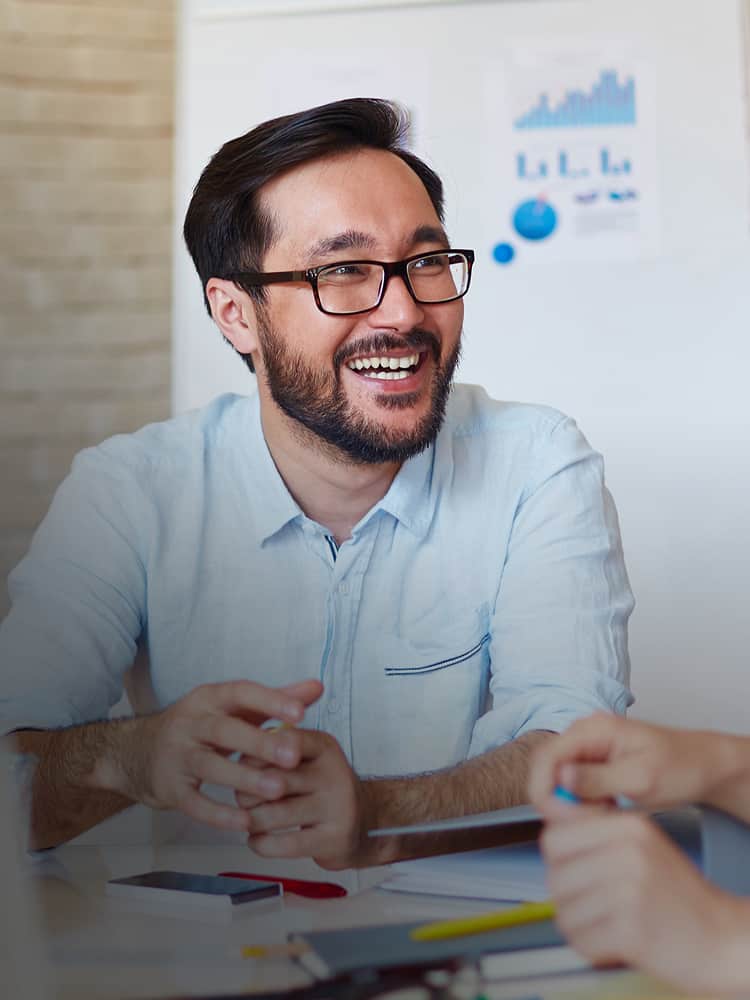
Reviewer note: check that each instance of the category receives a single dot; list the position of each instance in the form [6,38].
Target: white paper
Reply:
[511,873]
[571,142]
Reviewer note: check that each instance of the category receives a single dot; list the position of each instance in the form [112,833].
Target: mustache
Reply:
[416,339]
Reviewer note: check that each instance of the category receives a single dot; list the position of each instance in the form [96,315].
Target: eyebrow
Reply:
[430,234]
[352,239]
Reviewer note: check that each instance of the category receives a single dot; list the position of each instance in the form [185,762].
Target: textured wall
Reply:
[86,128]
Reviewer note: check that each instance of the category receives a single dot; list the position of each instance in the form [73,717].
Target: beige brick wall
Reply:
[86,123]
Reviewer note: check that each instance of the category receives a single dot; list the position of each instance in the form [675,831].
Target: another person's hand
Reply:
[322,812]
[625,894]
[176,750]
[605,756]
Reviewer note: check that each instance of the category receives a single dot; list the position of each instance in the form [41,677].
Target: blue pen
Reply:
[565,795]
[621,801]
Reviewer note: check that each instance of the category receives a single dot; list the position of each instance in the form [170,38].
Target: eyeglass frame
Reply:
[398,268]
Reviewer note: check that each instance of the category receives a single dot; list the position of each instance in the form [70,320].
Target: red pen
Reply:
[298,886]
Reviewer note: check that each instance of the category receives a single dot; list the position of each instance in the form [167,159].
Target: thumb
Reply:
[594,782]
[307,691]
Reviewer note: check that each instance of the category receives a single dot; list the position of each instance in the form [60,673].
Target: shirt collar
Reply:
[409,498]
[275,507]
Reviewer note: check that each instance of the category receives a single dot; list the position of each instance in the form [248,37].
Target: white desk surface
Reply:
[104,948]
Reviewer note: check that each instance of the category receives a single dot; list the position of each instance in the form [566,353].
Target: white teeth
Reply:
[388,376]
[388,364]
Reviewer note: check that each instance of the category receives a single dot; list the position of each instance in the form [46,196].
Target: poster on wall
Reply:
[574,153]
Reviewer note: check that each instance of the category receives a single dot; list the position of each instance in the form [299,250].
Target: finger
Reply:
[299,781]
[235,735]
[627,776]
[314,743]
[300,810]
[274,787]
[587,739]
[307,691]
[205,810]
[561,841]
[592,931]
[583,876]
[247,802]
[255,702]
[634,776]
[557,810]
[247,760]
[217,770]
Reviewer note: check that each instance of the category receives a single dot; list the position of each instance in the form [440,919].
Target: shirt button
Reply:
[333,706]
[344,588]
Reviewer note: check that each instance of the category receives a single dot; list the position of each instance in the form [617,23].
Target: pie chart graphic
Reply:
[535,219]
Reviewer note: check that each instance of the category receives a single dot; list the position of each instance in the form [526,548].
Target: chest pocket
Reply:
[434,690]
[443,664]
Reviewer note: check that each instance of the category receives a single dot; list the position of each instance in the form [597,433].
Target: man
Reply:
[624,891]
[434,584]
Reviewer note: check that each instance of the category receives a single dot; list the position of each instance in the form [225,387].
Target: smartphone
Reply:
[215,891]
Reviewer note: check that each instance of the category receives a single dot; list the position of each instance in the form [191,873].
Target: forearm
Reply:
[78,781]
[495,780]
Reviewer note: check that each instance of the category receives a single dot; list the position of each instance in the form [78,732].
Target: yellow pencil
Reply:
[290,949]
[526,913]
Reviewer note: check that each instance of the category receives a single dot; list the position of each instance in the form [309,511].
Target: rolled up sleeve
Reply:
[559,629]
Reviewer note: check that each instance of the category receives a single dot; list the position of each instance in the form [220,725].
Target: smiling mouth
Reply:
[387,367]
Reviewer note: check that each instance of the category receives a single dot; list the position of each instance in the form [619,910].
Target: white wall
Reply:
[650,354]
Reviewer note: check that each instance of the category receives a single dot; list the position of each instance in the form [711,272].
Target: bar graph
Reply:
[576,163]
[608,102]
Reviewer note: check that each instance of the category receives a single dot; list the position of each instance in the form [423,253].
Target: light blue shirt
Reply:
[484,596]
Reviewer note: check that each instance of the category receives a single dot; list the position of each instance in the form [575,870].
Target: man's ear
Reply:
[234,314]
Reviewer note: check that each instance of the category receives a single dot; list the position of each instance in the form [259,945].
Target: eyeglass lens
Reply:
[350,288]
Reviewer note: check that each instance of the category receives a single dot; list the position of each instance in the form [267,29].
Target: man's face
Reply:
[363,205]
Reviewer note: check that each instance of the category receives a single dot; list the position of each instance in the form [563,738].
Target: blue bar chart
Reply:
[608,102]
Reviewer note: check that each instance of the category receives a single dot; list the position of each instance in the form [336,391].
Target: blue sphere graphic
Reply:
[535,219]
[503,253]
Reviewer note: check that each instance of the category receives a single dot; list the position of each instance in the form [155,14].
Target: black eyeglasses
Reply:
[357,286]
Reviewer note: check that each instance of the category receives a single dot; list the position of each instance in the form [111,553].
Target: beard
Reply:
[316,400]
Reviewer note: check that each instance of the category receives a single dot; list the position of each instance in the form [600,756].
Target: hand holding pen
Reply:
[606,758]
[623,892]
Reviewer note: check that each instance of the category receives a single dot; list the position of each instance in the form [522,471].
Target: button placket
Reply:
[346,586]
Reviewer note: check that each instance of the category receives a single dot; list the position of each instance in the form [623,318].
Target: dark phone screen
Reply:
[237,889]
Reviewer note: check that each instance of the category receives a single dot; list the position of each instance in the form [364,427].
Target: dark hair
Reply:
[225,229]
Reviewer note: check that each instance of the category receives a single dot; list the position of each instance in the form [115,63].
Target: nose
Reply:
[398,310]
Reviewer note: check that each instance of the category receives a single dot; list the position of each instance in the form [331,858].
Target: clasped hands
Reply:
[296,794]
